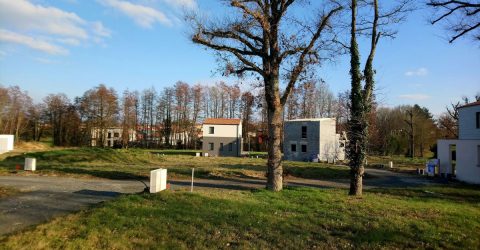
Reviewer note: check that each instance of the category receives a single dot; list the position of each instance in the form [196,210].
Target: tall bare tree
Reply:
[264,37]
[460,18]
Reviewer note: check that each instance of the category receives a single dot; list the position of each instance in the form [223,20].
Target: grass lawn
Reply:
[399,162]
[297,218]
[136,163]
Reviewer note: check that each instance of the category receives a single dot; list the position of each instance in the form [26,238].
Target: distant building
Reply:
[111,136]
[222,137]
[461,157]
[6,143]
[313,139]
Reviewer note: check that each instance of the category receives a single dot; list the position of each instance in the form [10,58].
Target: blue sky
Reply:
[70,46]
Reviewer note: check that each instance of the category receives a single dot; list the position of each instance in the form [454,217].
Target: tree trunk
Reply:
[356,181]
[274,165]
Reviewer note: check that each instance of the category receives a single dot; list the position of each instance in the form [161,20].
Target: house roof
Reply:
[470,104]
[222,121]
[311,120]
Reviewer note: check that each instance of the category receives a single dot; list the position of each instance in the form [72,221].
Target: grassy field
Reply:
[297,218]
[136,163]
[399,162]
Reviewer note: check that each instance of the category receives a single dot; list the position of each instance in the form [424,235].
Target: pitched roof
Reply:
[470,104]
[222,121]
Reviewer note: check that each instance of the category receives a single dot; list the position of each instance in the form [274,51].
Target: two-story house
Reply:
[461,157]
[312,139]
[222,137]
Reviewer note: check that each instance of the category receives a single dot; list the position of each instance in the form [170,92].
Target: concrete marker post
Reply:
[191,187]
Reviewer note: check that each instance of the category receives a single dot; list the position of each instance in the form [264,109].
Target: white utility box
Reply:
[158,180]
[197,154]
[205,154]
[6,143]
[30,164]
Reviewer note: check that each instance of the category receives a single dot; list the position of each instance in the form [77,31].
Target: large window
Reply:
[211,130]
[294,147]
[304,148]
[304,131]
[211,145]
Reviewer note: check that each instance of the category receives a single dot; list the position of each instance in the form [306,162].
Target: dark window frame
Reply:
[221,146]
[211,146]
[293,147]
[230,147]
[304,132]
[304,148]
[211,130]
[478,119]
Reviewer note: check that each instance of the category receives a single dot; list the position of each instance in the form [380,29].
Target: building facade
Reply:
[222,137]
[111,137]
[461,157]
[313,140]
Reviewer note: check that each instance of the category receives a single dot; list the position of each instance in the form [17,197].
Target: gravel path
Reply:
[43,198]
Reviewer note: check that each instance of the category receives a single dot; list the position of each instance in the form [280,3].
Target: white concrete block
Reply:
[205,154]
[390,164]
[158,180]
[6,143]
[30,164]
[197,154]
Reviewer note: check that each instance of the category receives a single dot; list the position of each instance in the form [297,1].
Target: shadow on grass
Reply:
[451,193]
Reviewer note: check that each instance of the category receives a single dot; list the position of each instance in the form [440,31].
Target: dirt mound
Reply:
[29,146]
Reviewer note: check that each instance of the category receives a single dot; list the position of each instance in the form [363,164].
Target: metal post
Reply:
[191,187]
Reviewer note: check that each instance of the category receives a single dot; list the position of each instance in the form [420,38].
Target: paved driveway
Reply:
[43,198]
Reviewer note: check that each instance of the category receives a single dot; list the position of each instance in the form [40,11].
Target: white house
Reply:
[6,143]
[111,136]
[313,139]
[222,137]
[461,157]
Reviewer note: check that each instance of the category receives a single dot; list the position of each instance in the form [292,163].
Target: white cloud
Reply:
[142,15]
[34,43]
[189,4]
[415,97]
[417,72]
[46,25]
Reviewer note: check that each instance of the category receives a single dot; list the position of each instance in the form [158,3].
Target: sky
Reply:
[70,46]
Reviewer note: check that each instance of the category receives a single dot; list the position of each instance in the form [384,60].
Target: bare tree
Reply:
[461,18]
[263,38]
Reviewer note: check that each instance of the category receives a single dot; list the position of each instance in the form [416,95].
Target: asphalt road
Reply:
[43,198]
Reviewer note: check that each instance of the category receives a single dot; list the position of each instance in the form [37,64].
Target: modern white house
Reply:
[461,157]
[313,140]
[6,143]
[222,137]
[112,136]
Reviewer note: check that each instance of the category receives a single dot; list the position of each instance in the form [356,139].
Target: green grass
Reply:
[399,162]
[297,218]
[137,163]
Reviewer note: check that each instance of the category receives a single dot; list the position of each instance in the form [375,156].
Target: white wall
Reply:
[6,143]
[468,161]
[467,124]
[444,155]
[223,130]
[328,139]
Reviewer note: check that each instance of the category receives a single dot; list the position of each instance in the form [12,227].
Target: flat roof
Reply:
[310,120]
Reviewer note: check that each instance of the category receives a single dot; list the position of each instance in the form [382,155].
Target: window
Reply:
[294,147]
[211,145]
[230,147]
[109,135]
[304,131]
[478,119]
[478,156]
[304,148]
[211,130]
[221,146]
[116,135]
